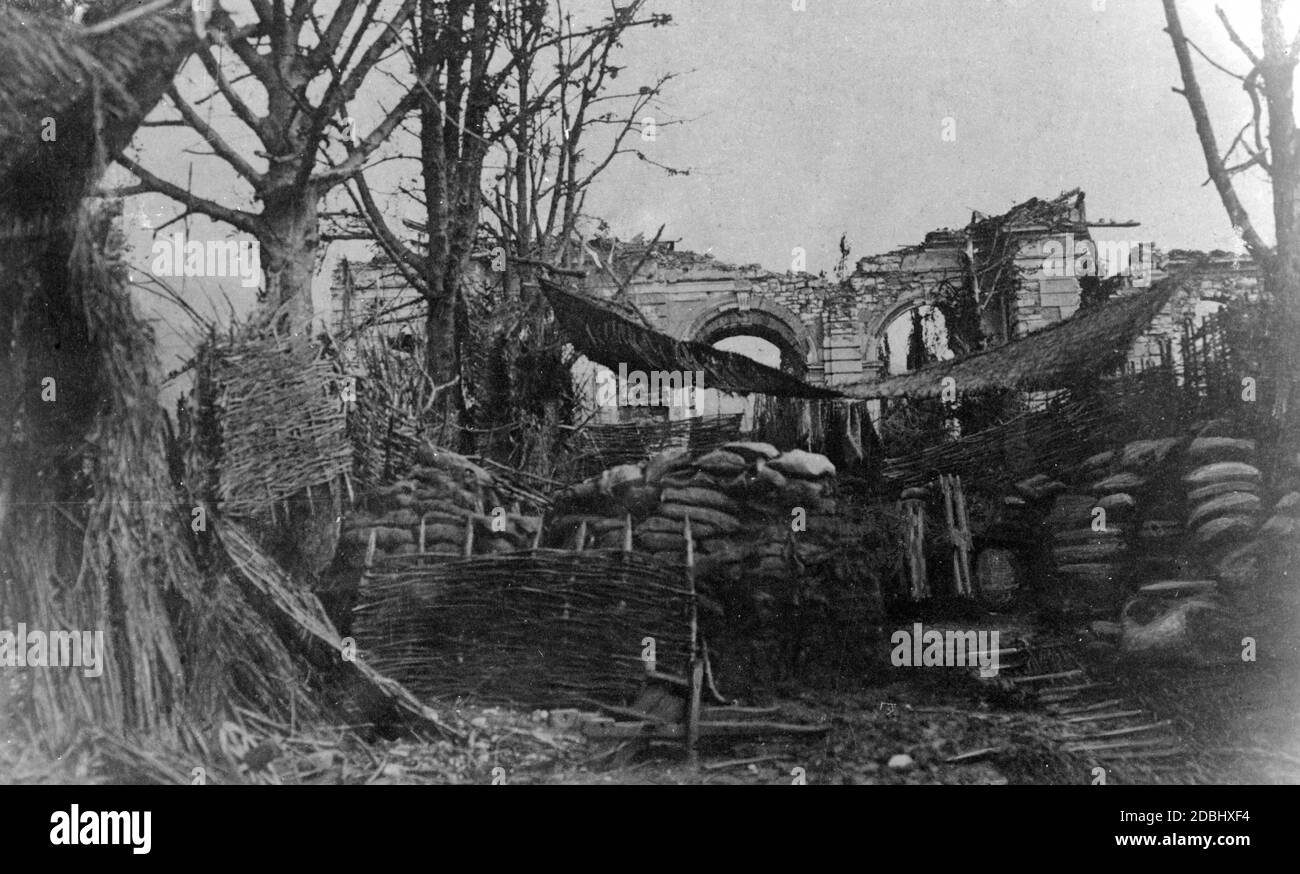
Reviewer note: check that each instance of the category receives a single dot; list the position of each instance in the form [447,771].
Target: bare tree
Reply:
[520,82]
[1269,86]
[289,78]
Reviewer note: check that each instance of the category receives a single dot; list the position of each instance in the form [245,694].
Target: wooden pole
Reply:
[913,512]
[966,542]
[697,664]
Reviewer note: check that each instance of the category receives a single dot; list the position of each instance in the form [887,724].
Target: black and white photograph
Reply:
[650,392]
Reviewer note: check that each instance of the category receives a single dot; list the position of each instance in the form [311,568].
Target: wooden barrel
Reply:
[997,575]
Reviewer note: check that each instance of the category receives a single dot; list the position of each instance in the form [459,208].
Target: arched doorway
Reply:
[776,326]
[760,330]
[912,336]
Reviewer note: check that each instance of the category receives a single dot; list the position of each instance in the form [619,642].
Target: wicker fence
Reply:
[541,627]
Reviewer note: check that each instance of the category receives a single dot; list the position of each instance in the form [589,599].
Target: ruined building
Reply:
[984,284]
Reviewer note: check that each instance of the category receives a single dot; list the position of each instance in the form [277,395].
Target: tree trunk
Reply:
[289,249]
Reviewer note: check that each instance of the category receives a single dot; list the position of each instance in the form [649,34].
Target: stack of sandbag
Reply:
[1089,557]
[1155,531]
[739,499]
[1224,501]
[444,502]
[1223,491]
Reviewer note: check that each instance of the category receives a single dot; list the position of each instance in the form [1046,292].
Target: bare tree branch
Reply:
[1205,132]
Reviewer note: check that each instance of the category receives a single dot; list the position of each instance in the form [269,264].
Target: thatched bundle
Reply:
[97,535]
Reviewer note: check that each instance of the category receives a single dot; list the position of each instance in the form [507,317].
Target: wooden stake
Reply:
[469,536]
[422,523]
[697,664]
[582,536]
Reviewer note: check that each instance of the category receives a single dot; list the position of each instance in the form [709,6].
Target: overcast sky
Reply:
[805,125]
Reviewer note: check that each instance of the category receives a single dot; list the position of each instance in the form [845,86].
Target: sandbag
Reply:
[808,465]
[800,492]
[1145,456]
[1095,465]
[723,522]
[438,517]
[1240,567]
[399,519]
[722,463]
[1118,504]
[678,479]
[620,476]
[662,525]
[595,524]
[1279,527]
[610,540]
[1071,510]
[753,451]
[443,533]
[1091,572]
[1220,471]
[1224,529]
[1085,553]
[654,541]
[665,462]
[1120,482]
[639,499]
[1193,630]
[1200,493]
[1211,449]
[700,498]
[1240,503]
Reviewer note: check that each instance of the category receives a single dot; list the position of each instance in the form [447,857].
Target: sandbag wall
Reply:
[1175,511]
[772,556]
[443,503]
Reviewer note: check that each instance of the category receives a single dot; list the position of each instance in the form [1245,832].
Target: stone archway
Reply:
[751,316]
[876,325]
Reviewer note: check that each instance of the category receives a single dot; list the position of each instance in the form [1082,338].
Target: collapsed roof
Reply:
[1089,343]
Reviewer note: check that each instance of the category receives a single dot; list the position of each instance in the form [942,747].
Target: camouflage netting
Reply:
[790,585]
